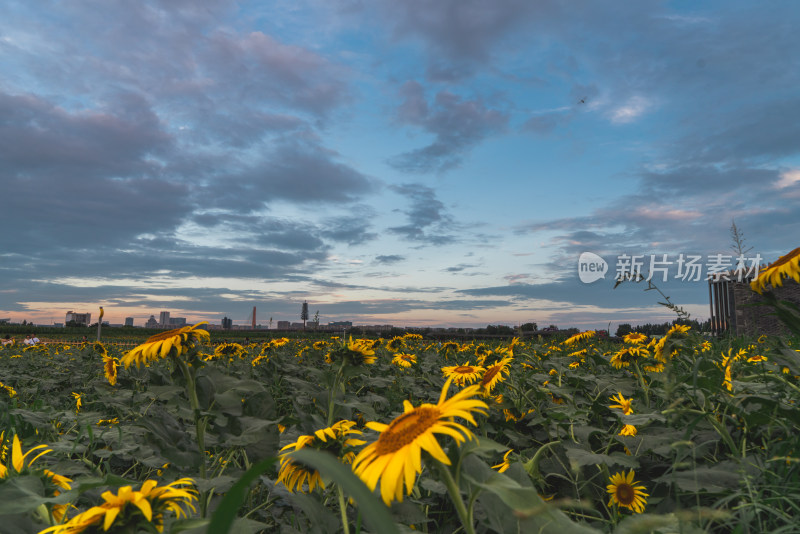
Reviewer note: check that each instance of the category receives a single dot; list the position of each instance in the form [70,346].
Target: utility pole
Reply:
[304,314]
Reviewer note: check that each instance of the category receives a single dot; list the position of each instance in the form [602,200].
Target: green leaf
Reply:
[715,479]
[372,508]
[581,457]
[536,515]
[656,524]
[224,515]
[21,494]
[321,520]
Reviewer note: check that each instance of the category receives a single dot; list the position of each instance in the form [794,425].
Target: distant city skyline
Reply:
[412,163]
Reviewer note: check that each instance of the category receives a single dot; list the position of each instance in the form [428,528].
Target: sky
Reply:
[415,163]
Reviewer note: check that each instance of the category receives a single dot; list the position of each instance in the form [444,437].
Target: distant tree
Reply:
[499,329]
[529,327]
[304,314]
[624,329]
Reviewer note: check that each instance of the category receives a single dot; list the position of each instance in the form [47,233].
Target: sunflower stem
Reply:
[643,383]
[455,496]
[343,510]
[334,391]
[199,423]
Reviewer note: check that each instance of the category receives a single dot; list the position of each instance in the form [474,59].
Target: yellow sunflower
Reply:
[17,465]
[161,345]
[658,346]
[505,464]
[110,368]
[463,374]
[622,403]
[278,342]
[787,266]
[230,350]
[127,507]
[627,355]
[624,492]
[78,401]
[635,338]
[60,482]
[17,460]
[361,351]
[396,457]
[628,430]
[494,374]
[402,359]
[395,344]
[8,389]
[579,337]
[334,439]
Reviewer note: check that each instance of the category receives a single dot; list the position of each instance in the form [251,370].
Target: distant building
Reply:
[227,323]
[151,322]
[177,322]
[163,318]
[78,319]
[284,325]
[341,323]
[128,321]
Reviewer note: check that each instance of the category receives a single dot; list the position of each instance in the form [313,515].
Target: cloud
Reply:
[457,126]
[458,37]
[632,109]
[92,177]
[350,229]
[788,178]
[428,220]
[571,292]
[389,259]
[280,73]
[459,268]
[293,170]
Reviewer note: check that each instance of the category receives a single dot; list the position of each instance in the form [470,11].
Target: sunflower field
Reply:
[676,434]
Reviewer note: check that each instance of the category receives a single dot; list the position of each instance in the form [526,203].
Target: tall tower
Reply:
[254,317]
[163,318]
[304,314]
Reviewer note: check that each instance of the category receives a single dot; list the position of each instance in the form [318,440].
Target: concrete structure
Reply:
[151,322]
[128,321]
[177,322]
[163,318]
[81,319]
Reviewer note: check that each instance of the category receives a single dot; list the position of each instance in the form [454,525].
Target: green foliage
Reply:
[717,441]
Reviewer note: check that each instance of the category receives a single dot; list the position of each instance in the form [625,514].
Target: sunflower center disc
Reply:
[406,428]
[487,378]
[463,369]
[625,494]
